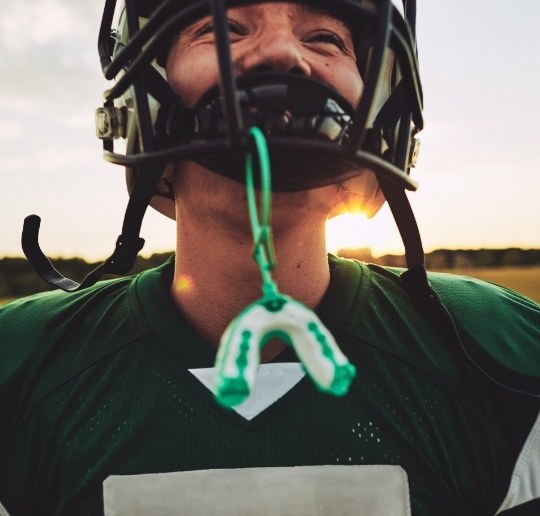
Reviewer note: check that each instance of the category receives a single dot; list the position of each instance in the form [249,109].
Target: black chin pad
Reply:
[289,107]
[280,105]
[279,92]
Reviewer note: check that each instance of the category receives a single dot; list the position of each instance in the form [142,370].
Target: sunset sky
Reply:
[479,166]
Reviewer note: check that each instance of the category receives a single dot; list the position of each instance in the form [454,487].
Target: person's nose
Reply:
[273,51]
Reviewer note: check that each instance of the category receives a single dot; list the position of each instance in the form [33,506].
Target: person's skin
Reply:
[215,275]
[282,37]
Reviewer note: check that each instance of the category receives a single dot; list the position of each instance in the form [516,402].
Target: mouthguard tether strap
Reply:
[274,315]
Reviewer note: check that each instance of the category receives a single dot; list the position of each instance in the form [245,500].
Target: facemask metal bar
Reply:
[227,82]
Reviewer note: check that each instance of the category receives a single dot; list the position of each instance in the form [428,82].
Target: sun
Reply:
[346,231]
[350,231]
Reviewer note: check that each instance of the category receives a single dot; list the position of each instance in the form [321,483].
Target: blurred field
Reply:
[525,280]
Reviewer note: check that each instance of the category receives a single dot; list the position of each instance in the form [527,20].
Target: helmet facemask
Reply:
[369,141]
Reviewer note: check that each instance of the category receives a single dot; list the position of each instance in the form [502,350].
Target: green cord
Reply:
[263,247]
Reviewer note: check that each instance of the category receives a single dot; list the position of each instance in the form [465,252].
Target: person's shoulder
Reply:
[104,314]
[459,293]
[59,333]
[111,306]
[474,296]
[462,293]
[38,310]
[500,328]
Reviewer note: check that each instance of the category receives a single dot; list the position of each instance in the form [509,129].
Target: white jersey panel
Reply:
[525,483]
[302,491]
[272,383]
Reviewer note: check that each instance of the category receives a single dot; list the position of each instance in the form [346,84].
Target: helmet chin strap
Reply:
[414,279]
[128,244]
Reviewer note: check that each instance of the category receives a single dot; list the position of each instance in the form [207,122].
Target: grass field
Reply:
[525,280]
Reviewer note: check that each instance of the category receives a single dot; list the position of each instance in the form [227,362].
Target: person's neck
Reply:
[216,277]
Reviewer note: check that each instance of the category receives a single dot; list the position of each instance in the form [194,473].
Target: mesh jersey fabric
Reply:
[95,383]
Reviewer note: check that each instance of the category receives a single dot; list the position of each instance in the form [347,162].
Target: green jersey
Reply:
[109,381]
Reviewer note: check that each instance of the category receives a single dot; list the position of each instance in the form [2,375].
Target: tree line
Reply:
[454,258]
[17,277]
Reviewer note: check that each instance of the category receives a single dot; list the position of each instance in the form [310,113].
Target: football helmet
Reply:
[329,139]
[315,136]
